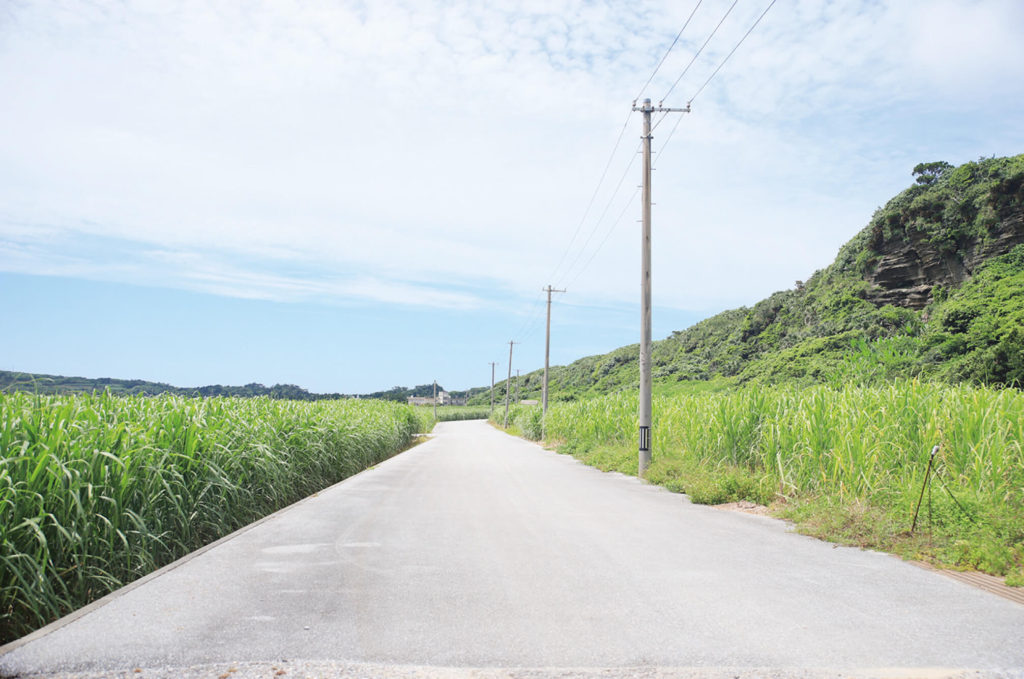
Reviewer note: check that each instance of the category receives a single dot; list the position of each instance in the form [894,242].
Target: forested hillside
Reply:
[932,287]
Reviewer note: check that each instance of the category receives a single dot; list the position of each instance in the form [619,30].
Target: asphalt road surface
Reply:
[478,554]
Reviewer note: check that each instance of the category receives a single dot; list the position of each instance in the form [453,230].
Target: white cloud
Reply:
[409,146]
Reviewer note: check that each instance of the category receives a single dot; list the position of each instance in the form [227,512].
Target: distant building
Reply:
[443,399]
[446,399]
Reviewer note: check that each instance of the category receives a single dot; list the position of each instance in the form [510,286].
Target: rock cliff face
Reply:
[908,269]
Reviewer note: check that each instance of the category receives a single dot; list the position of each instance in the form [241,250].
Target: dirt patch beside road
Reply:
[744,506]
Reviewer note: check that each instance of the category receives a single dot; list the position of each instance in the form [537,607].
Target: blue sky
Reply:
[350,196]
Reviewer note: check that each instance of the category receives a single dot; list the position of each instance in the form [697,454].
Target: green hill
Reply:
[932,287]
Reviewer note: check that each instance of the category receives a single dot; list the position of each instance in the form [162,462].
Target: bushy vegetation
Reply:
[98,490]
[953,206]
[848,462]
[977,334]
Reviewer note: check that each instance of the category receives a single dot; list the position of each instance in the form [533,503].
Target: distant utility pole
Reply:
[492,386]
[517,385]
[547,351]
[508,381]
[645,288]
[435,399]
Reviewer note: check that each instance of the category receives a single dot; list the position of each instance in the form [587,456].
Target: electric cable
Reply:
[593,197]
[722,21]
[530,323]
[656,68]
[618,140]
[607,235]
[654,163]
[600,219]
[749,30]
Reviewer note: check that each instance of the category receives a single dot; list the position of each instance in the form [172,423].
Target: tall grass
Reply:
[97,490]
[842,447]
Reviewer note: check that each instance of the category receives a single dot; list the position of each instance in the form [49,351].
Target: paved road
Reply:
[478,550]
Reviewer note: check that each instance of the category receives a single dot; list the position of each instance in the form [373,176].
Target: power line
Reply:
[727,12]
[593,197]
[611,200]
[667,140]
[625,208]
[664,145]
[615,147]
[749,30]
[532,315]
[664,115]
[656,68]
[527,332]
[530,323]
[607,235]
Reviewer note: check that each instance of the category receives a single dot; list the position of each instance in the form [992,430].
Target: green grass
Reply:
[97,490]
[846,463]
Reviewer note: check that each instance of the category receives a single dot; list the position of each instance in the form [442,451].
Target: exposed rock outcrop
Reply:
[909,268]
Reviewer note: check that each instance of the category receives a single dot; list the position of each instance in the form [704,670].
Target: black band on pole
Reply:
[645,438]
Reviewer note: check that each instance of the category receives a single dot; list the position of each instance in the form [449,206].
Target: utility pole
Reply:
[517,385]
[492,386]
[644,459]
[435,399]
[508,381]
[547,351]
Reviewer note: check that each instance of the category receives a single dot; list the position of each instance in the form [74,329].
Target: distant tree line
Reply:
[59,384]
[403,393]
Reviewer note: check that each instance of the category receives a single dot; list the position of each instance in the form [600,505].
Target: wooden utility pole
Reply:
[508,381]
[492,386]
[547,352]
[435,399]
[644,460]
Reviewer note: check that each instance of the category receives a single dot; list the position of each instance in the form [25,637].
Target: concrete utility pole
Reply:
[435,399]
[547,351]
[492,386]
[508,381]
[645,289]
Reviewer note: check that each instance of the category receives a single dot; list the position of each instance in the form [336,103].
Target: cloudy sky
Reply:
[352,195]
